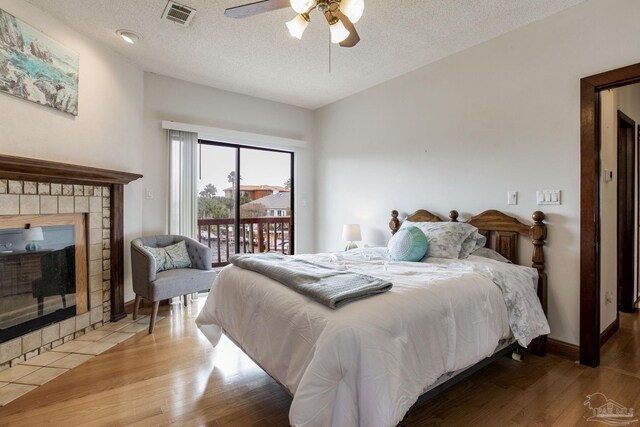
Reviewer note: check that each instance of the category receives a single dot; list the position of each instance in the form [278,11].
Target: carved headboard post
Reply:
[538,233]
[453,216]
[394,224]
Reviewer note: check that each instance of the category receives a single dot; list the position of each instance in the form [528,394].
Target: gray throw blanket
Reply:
[326,285]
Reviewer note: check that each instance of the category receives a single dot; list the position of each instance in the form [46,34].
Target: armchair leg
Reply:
[136,306]
[185,300]
[154,314]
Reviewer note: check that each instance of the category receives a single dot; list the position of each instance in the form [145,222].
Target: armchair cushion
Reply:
[170,257]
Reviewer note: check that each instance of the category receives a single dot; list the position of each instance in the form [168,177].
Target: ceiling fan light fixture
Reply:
[353,9]
[302,6]
[298,24]
[338,31]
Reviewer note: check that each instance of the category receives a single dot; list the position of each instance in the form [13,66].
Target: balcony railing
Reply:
[265,234]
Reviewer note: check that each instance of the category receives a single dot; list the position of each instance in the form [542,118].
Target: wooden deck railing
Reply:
[266,234]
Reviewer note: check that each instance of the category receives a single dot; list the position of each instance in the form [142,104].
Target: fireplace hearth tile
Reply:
[11,392]
[56,189]
[67,189]
[45,359]
[41,376]
[96,335]
[71,346]
[71,361]
[9,204]
[117,337]
[78,190]
[95,348]
[15,373]
[3,186]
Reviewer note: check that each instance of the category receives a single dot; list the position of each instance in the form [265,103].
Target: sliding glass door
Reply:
[245,200]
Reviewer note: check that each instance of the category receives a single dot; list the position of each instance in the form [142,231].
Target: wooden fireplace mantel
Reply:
[21,168]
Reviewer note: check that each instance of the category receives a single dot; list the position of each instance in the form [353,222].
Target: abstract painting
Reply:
[36,67]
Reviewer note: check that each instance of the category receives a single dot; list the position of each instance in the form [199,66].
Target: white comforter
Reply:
[367,363]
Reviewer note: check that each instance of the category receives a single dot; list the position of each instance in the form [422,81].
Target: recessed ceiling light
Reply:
[129,36]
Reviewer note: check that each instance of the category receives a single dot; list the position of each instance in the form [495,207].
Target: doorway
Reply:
[626,129]
[590,183]
[245,200]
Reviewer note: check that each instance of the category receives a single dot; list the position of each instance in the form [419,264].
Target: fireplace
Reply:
[75,216]
[42,279]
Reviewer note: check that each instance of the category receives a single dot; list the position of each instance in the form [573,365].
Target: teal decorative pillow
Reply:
[408,244]
[171,257]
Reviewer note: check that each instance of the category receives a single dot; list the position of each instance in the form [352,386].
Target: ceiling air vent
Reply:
[178,13]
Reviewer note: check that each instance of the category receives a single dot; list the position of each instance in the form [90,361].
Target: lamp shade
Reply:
[33,234]
[351,233]
[302,6]
[353,9]
[338,32]
[297,25]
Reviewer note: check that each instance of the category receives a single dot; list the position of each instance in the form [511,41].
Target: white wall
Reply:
[166,98]
[460,133]
[627,100]
[107,132]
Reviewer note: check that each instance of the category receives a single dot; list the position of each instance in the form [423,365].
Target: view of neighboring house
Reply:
[255,191]
[277,204]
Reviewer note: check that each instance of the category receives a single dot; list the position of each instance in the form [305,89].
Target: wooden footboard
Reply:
[502,232]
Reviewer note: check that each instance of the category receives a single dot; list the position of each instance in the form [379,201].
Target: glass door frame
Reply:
[236,186]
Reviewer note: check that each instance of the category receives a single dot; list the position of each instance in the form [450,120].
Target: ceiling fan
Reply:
[340,15]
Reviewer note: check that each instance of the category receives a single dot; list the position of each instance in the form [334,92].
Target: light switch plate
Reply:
[607,175]
[148,193]
[512,197]
[548,197]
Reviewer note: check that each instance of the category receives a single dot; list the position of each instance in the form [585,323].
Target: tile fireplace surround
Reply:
[35,187]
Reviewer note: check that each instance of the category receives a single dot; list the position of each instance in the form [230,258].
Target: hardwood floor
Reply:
[174,377]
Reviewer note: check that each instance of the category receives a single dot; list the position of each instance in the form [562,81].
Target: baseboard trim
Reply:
[563,349]
[608,333]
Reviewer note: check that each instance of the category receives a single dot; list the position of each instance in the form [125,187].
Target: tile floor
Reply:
[27,376]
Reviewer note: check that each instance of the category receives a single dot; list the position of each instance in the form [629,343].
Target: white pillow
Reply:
[474,242]
[445,238]
[491,254]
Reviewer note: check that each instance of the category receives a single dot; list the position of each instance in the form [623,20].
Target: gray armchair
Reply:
[167,284]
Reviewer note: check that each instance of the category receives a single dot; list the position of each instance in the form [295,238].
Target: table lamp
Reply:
[32,235]
[351,234]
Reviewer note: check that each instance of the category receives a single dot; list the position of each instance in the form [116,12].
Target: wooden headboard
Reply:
[502,232]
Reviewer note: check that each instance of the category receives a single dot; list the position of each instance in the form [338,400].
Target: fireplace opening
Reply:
[38,272]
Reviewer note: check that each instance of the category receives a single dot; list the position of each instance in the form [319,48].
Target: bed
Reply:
[368,362]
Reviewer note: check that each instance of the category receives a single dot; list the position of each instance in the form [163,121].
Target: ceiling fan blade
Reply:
[255,8]
[353,38]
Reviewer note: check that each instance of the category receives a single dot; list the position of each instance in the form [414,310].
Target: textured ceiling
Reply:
[256,56]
